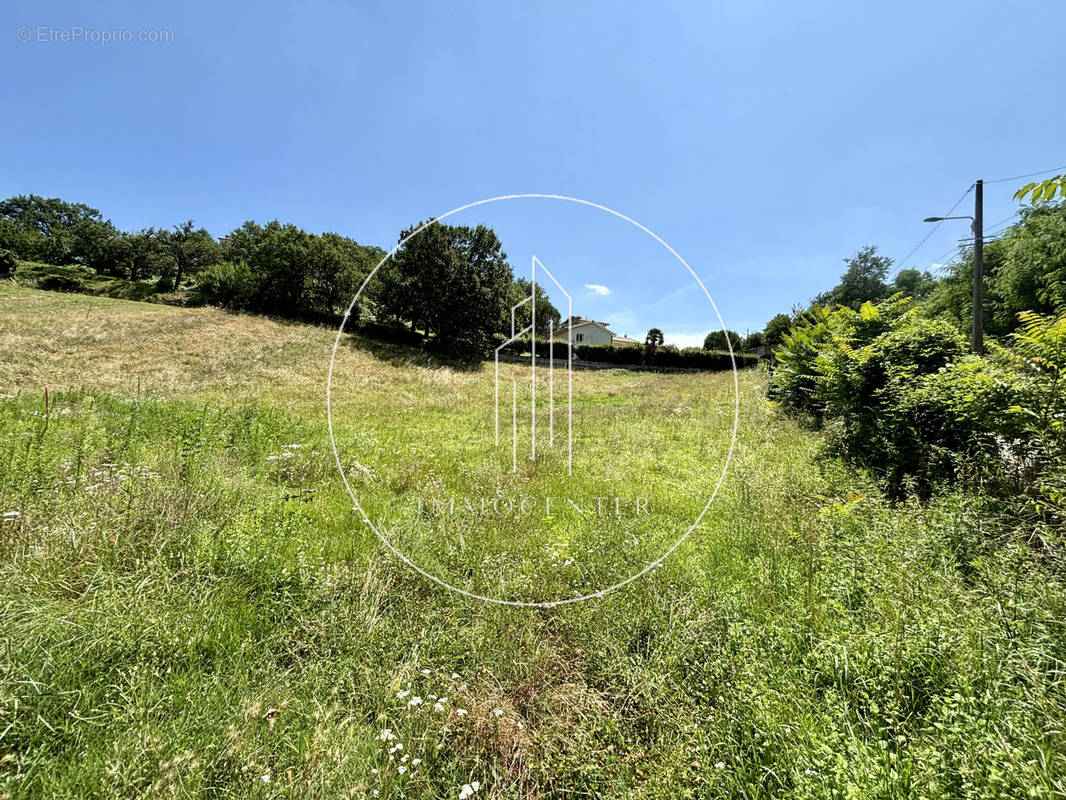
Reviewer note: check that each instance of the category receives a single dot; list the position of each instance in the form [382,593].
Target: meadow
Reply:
[190,606]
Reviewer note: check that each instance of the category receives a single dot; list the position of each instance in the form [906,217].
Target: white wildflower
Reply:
[425,672]
[401,769]
[265,778]
[460,712]
[403,694]
[720,765]
[415,701]
[415,762]
[497,712]
[386,735]
[438,707]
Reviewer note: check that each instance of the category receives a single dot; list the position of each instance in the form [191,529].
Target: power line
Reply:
[1030,175]
[903,261]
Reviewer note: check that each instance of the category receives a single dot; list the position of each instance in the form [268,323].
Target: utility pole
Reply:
[977,343]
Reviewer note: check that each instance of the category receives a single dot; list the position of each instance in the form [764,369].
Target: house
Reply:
[584,331]
[625,341]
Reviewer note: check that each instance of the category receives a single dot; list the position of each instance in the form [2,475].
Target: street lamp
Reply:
[977,339]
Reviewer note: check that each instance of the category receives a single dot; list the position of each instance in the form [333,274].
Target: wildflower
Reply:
[438,707]
[415,762]
[265,778]
[425,672]
[466,791]
[460,712]
[415,701]
[403,694]
[405,757]
[455,676]
[475,785]
[373,770]
[386,735]
[720,765]
[9,515]
[810,772]
[401,769]
[497,712]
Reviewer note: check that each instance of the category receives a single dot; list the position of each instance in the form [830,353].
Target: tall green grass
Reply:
[186,611]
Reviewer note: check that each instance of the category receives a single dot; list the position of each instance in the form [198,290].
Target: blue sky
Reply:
[764,141]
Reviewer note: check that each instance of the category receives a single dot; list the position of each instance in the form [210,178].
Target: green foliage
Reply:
[667,357]
[454,283]
[863,281]
[188,250]
[1024,270]
[226,285]
[8,262]
[56,278]
[73,278]
[1043,190]
[53,231]
[756,339]
[776,329]
[547,314]
[897,394]
[285,271]
[914,283]
[188,605]
[716,340]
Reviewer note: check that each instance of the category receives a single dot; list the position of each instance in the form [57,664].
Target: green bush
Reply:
[898,394]
[55,278]
[226,284]
[7,263]
[667,357]
[606,354]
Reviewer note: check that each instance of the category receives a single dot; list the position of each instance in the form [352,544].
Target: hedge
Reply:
[663,358]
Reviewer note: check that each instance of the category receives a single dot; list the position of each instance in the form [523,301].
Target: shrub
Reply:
[226,284]
[7,263]
[897,393]
[667,357]
[55,278]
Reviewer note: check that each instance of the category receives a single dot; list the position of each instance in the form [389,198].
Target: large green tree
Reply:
[453,283]
[716,340]
[547,314]
[188,250]
[57,232]
[863,280]
[914,283]
[776,328]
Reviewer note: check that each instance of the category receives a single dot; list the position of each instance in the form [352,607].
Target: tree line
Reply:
[451,284]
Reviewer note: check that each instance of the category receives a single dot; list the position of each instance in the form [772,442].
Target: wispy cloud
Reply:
[597,288]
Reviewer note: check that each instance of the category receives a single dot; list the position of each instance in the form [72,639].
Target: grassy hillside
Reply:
[191,607]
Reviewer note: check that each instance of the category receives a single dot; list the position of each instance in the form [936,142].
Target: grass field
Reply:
[191,607]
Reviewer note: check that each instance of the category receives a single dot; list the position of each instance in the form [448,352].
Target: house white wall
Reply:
[589,333]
